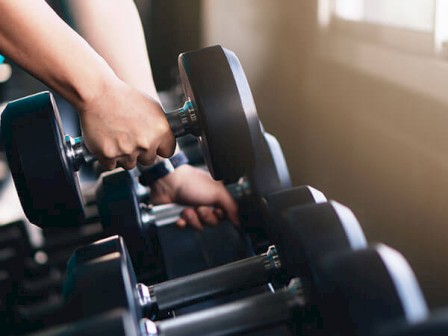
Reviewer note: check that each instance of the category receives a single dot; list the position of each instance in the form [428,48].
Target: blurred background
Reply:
[356,91]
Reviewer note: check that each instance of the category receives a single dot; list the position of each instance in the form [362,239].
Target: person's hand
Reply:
[123,126]
[194,187]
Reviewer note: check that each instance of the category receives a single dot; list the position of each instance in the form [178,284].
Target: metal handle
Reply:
[184,120]
[246,273]
[77,152]
[236,317]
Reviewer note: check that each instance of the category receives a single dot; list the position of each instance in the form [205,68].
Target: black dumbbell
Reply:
[32,317]
[37,268]
[121,213]
[119,322]
[269,174]
[219,110]
[286,198]
[435,324]
[328,227]
[368,289]
[359,290]
[117,204]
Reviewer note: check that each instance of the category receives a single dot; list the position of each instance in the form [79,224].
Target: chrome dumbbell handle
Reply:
[245,273]
[236,317]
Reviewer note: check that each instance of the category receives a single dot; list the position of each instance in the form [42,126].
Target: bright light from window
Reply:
[423,16]
[441,27]
[410,14]
[349,9]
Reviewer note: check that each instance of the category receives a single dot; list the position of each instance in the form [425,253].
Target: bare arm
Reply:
[120,123]
[34,37]
[113,28]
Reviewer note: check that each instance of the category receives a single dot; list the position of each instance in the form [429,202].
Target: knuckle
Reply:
[124,144]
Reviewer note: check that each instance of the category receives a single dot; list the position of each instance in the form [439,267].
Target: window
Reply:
[429,17]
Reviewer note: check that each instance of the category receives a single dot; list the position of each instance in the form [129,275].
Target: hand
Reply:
[191,186]
[123,126]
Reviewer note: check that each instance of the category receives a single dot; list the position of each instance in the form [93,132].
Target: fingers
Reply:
[200,216]
[181,223]
[207,215]
[219,213]
[128,162]
[167,146]
[107,164]
[147,158]
[190,217]
[227,204]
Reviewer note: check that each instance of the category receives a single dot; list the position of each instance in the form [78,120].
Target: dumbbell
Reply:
[435,324]
[121,205]
[117,204]
[37,268]
[187,324]
[219,110]
[269,174]
[119,322]
[40,295]
[359,291]
[83,257]
[314,231]
[298,195]
[369,289]
[121,213]
[31,276]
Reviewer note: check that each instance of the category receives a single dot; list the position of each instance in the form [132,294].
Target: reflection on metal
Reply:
[5,72]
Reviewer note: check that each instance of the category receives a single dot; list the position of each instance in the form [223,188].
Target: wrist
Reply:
[152,174]
[89,90]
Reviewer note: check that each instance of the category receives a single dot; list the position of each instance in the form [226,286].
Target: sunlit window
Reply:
[424,16]
[410,14]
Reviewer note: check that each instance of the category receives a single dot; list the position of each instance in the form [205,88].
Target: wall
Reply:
[376,145]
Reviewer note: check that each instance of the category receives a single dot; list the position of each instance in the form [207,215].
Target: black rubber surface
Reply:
[33,137]
[216,84]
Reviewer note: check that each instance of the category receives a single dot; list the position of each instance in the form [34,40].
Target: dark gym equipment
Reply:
[368,289]
[119,322]
[269,174]
[175,293]
[314,222]
[435,325]
[121,212]
[122,203]
[219,109]
[361,290]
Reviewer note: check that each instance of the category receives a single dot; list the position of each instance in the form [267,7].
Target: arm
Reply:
[34,37]
[114,29]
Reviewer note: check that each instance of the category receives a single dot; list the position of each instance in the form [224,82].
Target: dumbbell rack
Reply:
[318,277]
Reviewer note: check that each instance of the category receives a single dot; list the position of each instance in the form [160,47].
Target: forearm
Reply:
[113,28]
[34,37]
